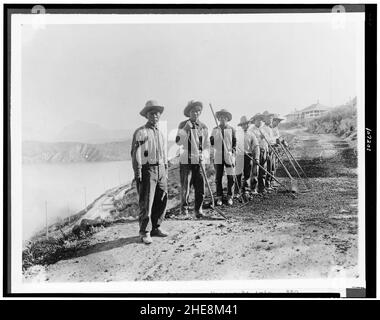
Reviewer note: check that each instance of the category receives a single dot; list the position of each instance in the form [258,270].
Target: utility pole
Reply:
[68,212]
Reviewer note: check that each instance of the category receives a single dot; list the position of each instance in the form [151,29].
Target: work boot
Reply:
[157,232]
[199,215]
[185,213]
[146,238]
[219,202]
[230,202]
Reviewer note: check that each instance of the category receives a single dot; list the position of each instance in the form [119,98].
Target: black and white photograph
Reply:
[187,152]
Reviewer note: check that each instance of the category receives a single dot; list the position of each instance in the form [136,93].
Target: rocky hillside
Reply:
[69,152]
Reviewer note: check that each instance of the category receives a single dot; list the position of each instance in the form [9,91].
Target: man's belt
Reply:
[153,164]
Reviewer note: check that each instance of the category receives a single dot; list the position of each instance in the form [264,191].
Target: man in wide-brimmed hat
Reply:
[149,160]
[258,174]
[278,138]
[276,133]
[223,149]
[248,151]
[193,137]
[267,131]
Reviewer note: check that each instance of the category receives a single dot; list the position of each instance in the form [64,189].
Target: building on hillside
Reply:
[296,115]
[313,111]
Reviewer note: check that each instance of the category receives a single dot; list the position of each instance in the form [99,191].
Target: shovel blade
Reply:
[219,211]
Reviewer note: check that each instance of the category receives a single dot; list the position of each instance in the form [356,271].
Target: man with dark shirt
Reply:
[192,136]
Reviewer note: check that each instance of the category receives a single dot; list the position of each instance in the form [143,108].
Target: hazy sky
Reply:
[105,73]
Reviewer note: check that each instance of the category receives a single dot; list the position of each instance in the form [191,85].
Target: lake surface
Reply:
[66,188]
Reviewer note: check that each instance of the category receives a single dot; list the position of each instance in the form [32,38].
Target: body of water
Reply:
[66,189]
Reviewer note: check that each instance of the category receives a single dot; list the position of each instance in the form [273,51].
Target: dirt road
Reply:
[276,236]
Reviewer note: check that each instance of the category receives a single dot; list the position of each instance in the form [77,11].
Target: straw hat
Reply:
[243,120]
[225,113]
[267,115]
[191,105]
[150,106]
[277,117]
[257,116]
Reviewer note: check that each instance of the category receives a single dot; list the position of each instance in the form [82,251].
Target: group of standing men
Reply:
[246,155]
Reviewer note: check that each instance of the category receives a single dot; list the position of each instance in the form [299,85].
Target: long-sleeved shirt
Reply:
[220,150]
[257,132]
[276,133]
[268,133]
[247,142]
[148,147]
[194,141]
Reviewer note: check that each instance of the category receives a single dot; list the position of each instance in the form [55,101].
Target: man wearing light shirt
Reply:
[258,174]
[271,157]
[248,150]
[222,154]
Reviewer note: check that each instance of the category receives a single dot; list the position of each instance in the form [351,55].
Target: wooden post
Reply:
[46,220]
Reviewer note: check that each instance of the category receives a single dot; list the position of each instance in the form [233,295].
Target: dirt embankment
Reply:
[276,236]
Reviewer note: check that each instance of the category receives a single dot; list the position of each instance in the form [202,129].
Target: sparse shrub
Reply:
[340,121]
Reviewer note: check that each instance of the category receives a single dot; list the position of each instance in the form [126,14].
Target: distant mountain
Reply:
[70,152]
[85,132]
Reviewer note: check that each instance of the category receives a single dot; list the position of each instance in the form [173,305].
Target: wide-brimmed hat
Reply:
[257,116]
[223,112]
[243,120]
[277,117]
[150,106]
[267,115]
[192,104]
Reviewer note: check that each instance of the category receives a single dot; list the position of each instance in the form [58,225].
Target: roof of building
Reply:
[315,106]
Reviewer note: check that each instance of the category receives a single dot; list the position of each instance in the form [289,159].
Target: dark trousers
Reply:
[247,168]
[258,174]
[191,174]
[271,165]
[153,196]
[219,171]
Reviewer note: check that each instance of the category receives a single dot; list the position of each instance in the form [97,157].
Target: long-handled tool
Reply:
[287,149]
[266,171]
[291,162]
[211,194]
[230,159]
[293,187]
[207,183]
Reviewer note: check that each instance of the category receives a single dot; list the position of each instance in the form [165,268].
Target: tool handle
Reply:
[287,149]
[224,145]
[278,157]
